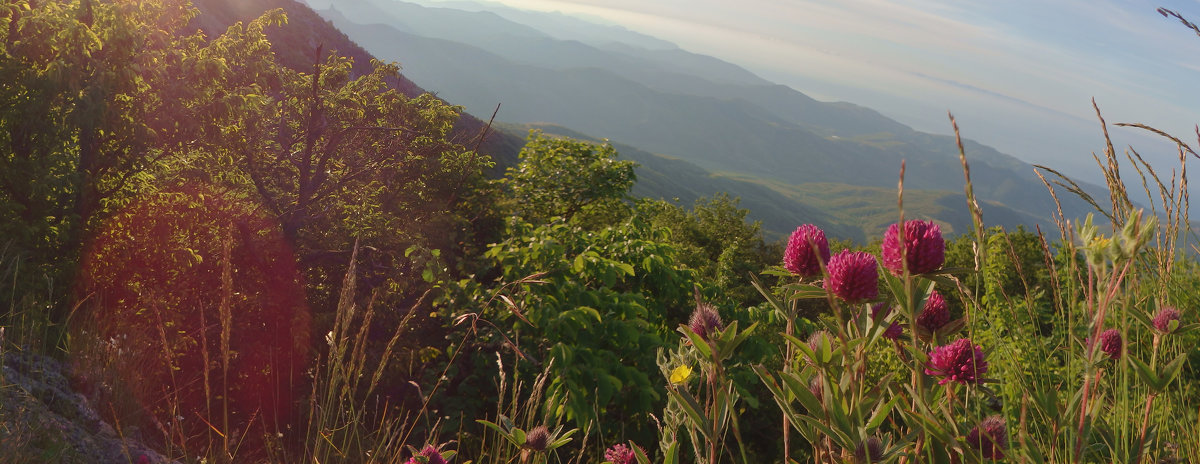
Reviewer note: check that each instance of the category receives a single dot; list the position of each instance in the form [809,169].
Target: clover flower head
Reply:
[430,454]
[989,437]
[1162,320]
[1111,343]
[816,386]
[705,321]
[814,342]
[960,361]
[894,331]
[853,276]
[879,312]
[806,250]
[869,451]
[923,247]
[935,314]
[537,438]
[621,454]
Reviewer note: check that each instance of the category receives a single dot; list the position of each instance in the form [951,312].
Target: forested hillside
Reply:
[297,44]
[690,107]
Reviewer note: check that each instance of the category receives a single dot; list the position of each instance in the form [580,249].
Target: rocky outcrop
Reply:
[43,420]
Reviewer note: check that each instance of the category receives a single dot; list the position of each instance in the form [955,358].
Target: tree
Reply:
[79,133]
[715,239]
[197,311]
[559,177]
[332,157]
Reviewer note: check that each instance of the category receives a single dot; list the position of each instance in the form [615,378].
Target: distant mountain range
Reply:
[697,125]
[295,45]
[740,131]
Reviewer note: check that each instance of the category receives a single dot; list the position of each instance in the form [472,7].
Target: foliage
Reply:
[715,239]
[125,130]
[195,309]
[84,119]
[336,158]
[195,198]
[710,411]
[560,177]
[1039,317]
[622,281]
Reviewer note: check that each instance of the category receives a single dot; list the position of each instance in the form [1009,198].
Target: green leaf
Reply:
[1171,371]
[881,414]
[800,390]
[944,281]
[577,266]
[638,453]
[672,454]
[825,349]
[953,270]
[699,343]
[778,271]
[1147,374]
[774,302]
[837,436]
[800,345]
[804,292]
[694,411]
[564,439]
[506,435]
[518,436]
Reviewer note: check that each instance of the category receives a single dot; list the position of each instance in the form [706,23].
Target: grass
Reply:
[850,396]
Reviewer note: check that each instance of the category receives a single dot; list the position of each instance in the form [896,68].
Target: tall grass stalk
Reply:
[338,428]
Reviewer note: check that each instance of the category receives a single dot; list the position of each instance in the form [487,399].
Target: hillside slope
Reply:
[296,42]
[624,93]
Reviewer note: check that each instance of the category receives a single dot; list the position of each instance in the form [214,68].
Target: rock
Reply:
[43,420]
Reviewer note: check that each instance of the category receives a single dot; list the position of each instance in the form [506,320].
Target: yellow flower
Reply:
[680,374]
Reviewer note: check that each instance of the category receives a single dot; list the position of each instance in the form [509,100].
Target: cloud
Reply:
[1037,62]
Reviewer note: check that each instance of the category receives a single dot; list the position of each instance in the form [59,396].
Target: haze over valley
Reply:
[775,147]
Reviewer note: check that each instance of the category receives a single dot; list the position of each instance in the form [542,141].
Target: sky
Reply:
[1019,75]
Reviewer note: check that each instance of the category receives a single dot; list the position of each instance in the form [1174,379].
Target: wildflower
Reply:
[429,455]
[621,454]
[935,314]
[880,312]
[893,332]
[1164,318]
[923,249]
[1111,343]
[705,321]
[680,374]
[537,438]
[869,451]
[816,386]
[804,248]
[990,437]
[853,276]
[816,339]
[959,361]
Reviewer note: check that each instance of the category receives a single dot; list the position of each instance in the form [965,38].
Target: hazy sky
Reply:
[1019,74]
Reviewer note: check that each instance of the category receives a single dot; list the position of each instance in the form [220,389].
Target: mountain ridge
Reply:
[762,189]
[766,131]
